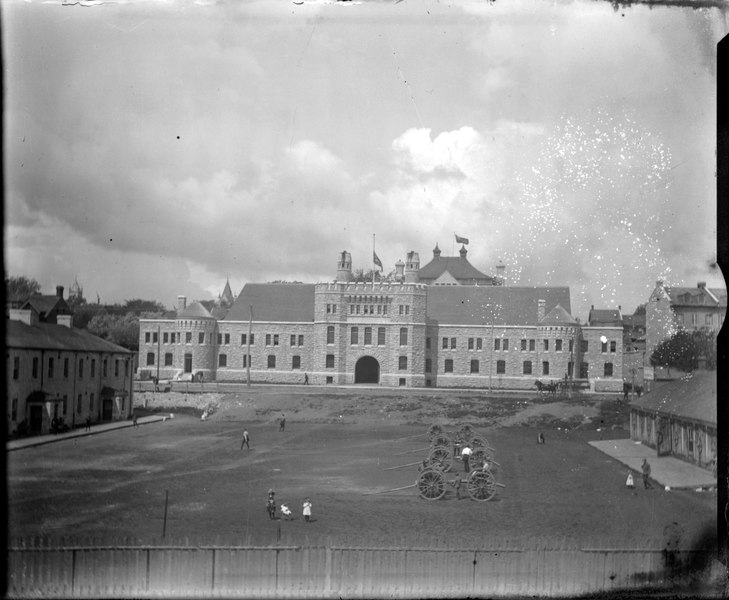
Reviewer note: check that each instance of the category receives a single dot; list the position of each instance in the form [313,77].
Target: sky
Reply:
[156,149]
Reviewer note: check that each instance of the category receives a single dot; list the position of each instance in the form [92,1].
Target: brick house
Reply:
[393,333]
[57,371]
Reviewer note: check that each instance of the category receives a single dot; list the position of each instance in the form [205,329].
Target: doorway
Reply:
[367,370]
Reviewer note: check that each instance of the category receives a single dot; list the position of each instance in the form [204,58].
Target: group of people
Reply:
[285,510]
[646,471]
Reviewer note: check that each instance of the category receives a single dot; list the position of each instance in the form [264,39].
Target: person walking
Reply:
[135,419]
[271,505]
[306,379]
[282,423]
[246,440]
[88,423]
[646,468]
[307,509]
[466,455]
[457,482]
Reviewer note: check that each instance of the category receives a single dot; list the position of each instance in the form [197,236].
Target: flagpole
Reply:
[373,261]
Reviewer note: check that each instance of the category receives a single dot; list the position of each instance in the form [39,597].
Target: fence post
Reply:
[328,568]
[212,574]
[73,571]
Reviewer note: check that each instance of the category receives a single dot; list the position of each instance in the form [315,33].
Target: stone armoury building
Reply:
[443,325]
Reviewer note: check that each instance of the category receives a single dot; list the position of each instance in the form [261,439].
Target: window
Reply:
[65,368]
[401,382]
[330,334]
[293,340]
[558,345]
[93,367]
[474,366]
[172,338]
[78,404]
[81,366]
[50,368]
[479,344]
[165,337]
[545,367]
[584,369]
[523,345]
[500,367]
[505,344]
[428,365]
[403,336]
[330,379]
[380,336]
[330,361]
[301,338]
[354,336]
[608,371]
[470,343]
[91,403]
[427,343]
[168,359]
[275,339]
[329,308]
[154,337]
[245,360]
[368,336]
[227,338]
[613,346]
[583,346]
[351,309]
[243,339]
[708,320]
[497,344]
[34,371]
[603,347]
[572,345]
[546,345]
[201,338]
[453,343]
[150,359]
[445,343]
[271,361]
[14,413]
[532,345]
[188,337]
[268,339]
[407,309]
[147,335]
[402,363]
[65,404]
[402,309]
[570,369]
[222,360]
[527,367]
[448,366]
[295,361]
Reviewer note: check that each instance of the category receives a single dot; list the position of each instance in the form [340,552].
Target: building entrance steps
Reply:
[39,440]
[666,470]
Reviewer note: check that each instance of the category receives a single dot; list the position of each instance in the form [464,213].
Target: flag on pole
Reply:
[376,259]
[461,240]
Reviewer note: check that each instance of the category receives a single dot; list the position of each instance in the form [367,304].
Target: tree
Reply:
[640,310]
[139,305]
[683,350]
[20,288]
[122,330]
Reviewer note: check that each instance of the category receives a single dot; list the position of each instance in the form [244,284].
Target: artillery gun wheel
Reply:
[481,485]
[441,439]
[431,484]
[434,430]
[466,433]
[480,456]
[478,441]
[442,457]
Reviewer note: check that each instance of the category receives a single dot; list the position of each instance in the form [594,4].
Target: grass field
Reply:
[114,484]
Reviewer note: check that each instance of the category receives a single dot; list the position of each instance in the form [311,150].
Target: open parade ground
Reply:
[335,449]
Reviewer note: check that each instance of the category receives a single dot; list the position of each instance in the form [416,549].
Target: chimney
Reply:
[28,316]
[59,291]
[181,302]
[64,320]
[540,309]
[500,272]
[702,285]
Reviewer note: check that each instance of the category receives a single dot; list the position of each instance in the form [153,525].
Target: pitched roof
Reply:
[457,266]
[558,316]
[44,304]
[602,316]
[474,305]
[696,296]
[48,336]
[634,320]
[692,397]
[194,311]
[292,302]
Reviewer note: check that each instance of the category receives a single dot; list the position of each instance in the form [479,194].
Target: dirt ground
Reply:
[335,449]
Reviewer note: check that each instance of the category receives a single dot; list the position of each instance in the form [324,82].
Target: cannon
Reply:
[481,485]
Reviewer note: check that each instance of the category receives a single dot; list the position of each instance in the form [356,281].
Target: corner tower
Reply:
[344,266]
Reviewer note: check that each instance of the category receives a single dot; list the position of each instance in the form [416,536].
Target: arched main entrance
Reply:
[367,370]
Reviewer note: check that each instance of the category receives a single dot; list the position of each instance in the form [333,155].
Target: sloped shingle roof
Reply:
[692,397]
[47,336]
[602,316]
[279,302]
[558,316]
[677,295]
[457,266]
[44,304]
[194,311]
[474,305]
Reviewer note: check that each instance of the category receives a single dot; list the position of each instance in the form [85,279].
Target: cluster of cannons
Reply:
[444,451]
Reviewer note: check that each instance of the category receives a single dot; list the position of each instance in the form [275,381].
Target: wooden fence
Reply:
[82,569]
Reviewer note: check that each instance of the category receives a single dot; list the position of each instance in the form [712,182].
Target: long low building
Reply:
[58,372]
[398,333]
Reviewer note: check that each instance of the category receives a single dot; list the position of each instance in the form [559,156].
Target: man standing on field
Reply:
[246,440]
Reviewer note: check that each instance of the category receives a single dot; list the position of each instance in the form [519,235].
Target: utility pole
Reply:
[159,335]
[248,346]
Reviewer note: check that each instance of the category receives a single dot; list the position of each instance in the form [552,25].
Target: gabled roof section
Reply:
[458,267]
[278,302]
[696,296]
[692,397]
[194,311]
[474,305]
[605,317]
[558,316]
[45,305]
[48,336]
